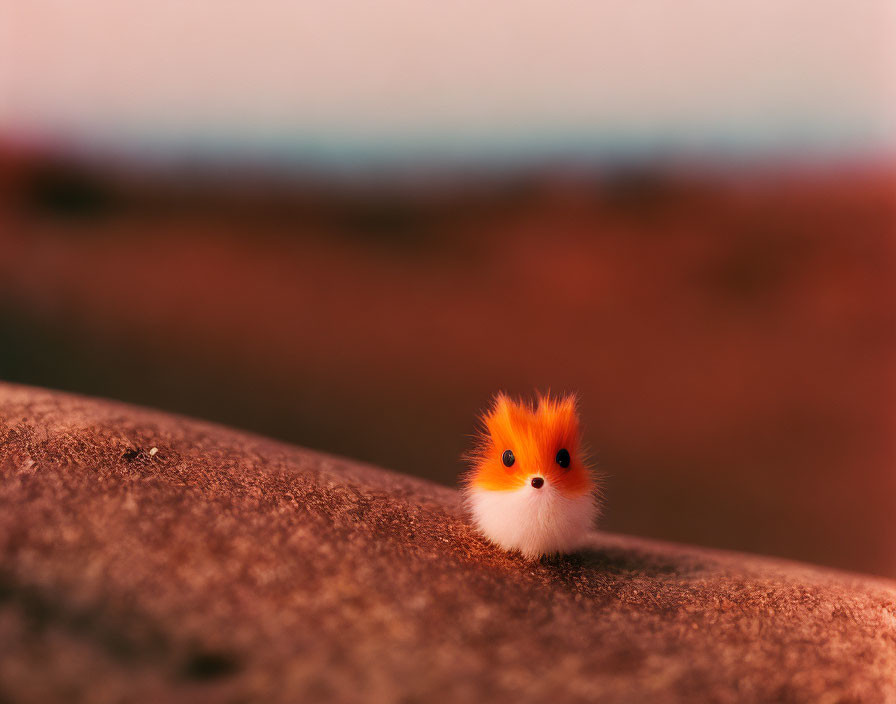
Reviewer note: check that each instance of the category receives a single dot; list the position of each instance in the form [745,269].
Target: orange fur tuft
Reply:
[535,434]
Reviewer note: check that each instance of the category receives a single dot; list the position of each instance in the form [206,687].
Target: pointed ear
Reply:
[505,415]
[560,414]
[568,410]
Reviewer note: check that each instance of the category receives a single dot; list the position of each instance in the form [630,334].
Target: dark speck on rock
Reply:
[208,665]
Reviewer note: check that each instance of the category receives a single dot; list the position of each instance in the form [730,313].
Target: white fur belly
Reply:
[534,521]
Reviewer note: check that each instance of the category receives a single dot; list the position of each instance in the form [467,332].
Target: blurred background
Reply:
[347,224]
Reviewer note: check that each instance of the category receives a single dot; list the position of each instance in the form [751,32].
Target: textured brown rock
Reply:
[147,557]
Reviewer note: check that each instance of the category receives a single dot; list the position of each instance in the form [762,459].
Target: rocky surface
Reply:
[147,557]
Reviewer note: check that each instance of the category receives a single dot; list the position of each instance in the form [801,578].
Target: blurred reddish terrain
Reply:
[732,333]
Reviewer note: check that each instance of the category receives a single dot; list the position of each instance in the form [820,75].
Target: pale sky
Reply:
[391,75]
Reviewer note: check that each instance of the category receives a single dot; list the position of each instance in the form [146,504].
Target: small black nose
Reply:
[537,482]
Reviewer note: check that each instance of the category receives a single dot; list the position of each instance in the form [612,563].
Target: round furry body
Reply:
[529,487]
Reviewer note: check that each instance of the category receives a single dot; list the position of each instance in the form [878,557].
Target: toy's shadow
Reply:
[620,562]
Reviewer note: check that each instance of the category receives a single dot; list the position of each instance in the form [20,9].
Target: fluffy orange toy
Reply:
[530,488]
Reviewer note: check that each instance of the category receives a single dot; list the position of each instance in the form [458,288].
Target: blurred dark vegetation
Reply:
[732,333]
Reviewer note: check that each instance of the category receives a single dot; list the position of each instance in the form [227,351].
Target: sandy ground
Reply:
[147,557]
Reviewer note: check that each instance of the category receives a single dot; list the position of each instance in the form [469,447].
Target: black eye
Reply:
[507,458]
[563,458]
